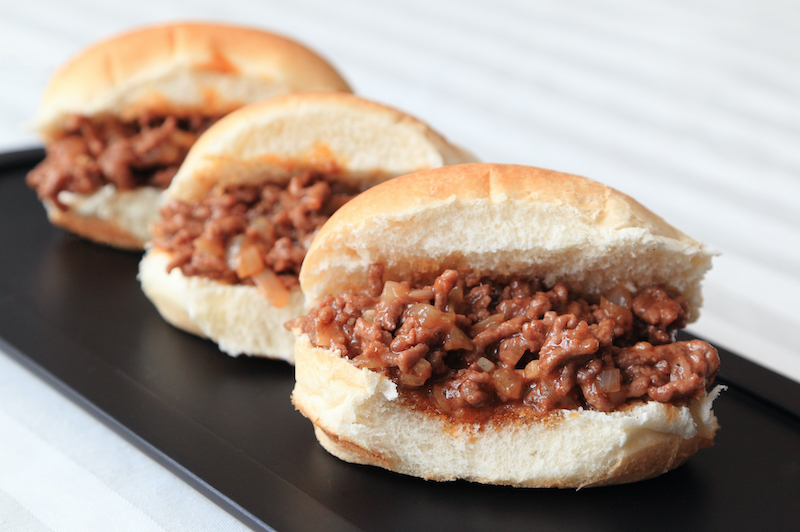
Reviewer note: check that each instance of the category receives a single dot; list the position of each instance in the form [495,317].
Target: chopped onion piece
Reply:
[492,321]
[454,300]
[440,394]
[234,248]
[421,295]
[363,361]
[248,262]
[620,295]
[271,287]
[212,247]
[532,370]
[456,339]
[485,364]
[608,380]
[507,383]
[418,375]
[262,225]
[392,290]
[430,316]
[329,336]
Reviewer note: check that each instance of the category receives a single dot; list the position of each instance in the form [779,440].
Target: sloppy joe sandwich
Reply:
[506,325]
[118,119]
[251,195]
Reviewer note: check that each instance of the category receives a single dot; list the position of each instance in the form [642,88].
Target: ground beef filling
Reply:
[93,153]
[466,344]
[256,235]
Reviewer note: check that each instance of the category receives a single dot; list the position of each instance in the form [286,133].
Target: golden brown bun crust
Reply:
[358,418]
[367,141]
[663,453]
[503,182]
[503,219]
[130,72]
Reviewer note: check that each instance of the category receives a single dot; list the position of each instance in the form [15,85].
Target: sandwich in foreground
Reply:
[119,117]
[506,325]
[245,205]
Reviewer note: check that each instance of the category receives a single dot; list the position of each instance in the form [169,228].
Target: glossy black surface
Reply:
[73,312]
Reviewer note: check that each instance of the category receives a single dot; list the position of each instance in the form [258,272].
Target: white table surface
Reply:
[691,106]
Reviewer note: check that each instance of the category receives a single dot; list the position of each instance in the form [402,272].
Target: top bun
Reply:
[365,141]
[180,67]
[496,220]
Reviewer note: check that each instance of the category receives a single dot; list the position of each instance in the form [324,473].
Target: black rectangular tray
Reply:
[74,313]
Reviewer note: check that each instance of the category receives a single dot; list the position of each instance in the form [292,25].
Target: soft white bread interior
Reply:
[497,220]
[118,218]
[237,317]
[357,417]
[263,143]
[180,67]
[502,219]
[177,68]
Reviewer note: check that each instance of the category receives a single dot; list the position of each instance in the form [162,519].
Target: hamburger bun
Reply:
[497,221]
[179,69]
[264,144]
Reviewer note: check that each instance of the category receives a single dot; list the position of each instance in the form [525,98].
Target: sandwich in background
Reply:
[119,117]
[249,198]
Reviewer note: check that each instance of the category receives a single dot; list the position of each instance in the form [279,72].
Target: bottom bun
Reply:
[358,417]
[111,217]
[237,317]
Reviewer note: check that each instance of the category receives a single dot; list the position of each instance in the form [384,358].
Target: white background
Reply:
[691,106]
